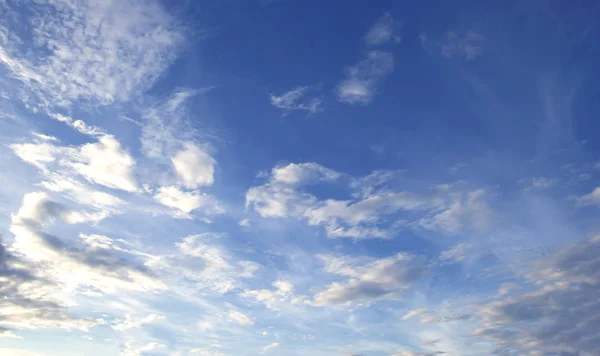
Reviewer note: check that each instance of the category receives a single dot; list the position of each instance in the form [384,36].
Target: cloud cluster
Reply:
[39,268]
[204,262]
[365,214]
[99,51]
[557,315]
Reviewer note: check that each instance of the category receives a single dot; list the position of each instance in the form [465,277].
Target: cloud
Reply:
[558,314]
[128,323]
[101,52]
[452,45]
[204,262]
[542,183]
[69,265]
[270,346]
[283,292]
[592,198]
[31,299]
[447,210]
[103,162]
[364,78]
[186,202]
[384,30]
[458,253]
[194,166]
[298,99]
[239,318]
[386,278]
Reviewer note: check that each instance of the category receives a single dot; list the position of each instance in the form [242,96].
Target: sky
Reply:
[301,177]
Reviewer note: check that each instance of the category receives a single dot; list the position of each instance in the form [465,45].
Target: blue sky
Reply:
[290,178]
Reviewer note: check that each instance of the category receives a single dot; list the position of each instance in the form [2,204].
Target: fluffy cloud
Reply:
[558,315]
[103,162]
[270,346]
[297,99]
[445,209]
[100,51]
[386,278]
[468,47]
[363,79]
[384,30]
[239,318]
[186,202]
[194,166]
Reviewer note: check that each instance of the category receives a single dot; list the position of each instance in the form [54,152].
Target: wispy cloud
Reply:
[446,209]
[363,79]
[299,99]
[384,30]
[453,45]
[102,52]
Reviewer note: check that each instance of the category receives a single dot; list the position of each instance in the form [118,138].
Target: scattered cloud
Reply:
[363,79]
[386,278]
[452,45]
[204,262]
[102,52]
[186,202]
[557,315]
[298,99]
[128,323]
[384,30]
[446,209]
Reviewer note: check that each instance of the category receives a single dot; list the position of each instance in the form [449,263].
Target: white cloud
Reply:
[386,278]
[206,263]
[364,78]
[128,323]
[448,210]
[468,47]
[298,99]
[458,253]
[194,166]
[186,202]
[384,30]
[283,292]
[103,162]
[239,318]
[270,346]
[542,183]
[592,198]
[99,51]
[244,223]
[69,265]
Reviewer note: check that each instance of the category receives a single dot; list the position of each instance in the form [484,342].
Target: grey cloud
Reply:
[559,316]
[386,278]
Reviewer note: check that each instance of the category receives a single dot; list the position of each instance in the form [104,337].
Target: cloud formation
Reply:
[384,30]
[298,99]
[102,52]
[452,45]
[444,209]
[368,281]
[363,79]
